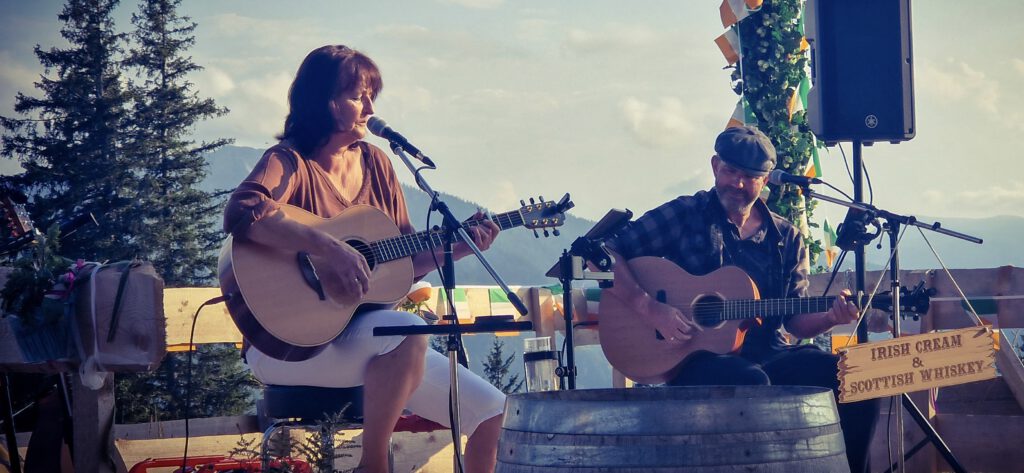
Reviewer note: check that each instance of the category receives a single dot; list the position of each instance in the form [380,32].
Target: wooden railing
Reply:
[998,292]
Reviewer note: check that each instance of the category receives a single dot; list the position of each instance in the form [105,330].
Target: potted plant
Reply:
[35,300]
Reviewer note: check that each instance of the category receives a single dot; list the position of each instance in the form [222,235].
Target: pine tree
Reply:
[95,143]
[174,222]
[496,369]
[220,386]
[69,139]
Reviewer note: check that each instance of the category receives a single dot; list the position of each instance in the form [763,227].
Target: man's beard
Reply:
[734,201]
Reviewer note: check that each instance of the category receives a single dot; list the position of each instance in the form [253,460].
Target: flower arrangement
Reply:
[36,289]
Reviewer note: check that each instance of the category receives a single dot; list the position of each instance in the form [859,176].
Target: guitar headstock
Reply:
[540,214]
[914,301]
[18,222]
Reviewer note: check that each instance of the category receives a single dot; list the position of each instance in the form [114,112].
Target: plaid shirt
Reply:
[695,233]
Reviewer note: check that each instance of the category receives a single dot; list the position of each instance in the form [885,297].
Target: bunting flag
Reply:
[742,115]
[729,44]
[500,305]
[461,303]
[734,11]
[798,97]
[794,103]
[813,167]
[831,250]
[804,45]
[802,225]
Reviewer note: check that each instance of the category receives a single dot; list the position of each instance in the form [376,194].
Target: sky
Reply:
[617,103]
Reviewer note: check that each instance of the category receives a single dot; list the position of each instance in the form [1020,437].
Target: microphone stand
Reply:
[892,227]
[452,230]
[571,267]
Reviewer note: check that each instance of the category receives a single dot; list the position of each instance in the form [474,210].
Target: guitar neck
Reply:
[402,246]
[747,309]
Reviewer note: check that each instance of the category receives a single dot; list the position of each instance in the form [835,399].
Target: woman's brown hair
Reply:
[325,73]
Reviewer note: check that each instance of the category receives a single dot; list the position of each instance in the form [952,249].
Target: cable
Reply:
[837,190]
[454,319]
[188,370]
[835,271]
[888,430]
[867,178]
[846,162]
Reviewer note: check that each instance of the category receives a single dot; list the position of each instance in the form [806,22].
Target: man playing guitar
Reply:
[730,225]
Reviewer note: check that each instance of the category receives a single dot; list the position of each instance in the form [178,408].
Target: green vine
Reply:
[772,66]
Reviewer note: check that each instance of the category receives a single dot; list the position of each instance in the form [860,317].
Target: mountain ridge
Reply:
[524,259]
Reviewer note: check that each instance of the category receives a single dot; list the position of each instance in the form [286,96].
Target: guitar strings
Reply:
[389,249]
[718,311]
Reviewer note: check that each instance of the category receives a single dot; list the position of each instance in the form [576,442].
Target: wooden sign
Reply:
[914,363]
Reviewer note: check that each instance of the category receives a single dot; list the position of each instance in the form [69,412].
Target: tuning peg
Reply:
[522,203]
[555,232]
[541,198]
[546,234]
[535,234]
[532,201]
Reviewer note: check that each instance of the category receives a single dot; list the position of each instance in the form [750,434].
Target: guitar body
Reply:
[277,302]
[634,348]
[274,307]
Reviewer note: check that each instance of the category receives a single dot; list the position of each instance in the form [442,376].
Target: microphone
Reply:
[779,177]
[379,127]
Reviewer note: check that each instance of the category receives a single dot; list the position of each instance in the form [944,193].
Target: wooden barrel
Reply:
[706,429]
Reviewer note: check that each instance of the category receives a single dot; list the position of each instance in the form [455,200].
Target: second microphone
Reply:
[379,127]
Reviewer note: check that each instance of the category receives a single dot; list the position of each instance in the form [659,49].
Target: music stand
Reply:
[570,267]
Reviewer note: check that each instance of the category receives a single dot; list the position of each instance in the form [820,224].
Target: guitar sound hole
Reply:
[364,250]
[707,311]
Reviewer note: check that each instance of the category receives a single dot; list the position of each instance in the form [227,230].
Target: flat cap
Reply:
[746,148]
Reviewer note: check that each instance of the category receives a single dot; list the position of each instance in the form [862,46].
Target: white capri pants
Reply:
[343,363]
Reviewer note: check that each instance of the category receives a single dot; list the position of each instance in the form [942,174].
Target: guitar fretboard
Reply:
[747,309]
[390,249]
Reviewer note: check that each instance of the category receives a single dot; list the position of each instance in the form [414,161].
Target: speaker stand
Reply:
[862,330]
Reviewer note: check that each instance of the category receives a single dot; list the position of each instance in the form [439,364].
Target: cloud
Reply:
[535,29]
[610,38]
[403,31]
[997,199]
[214,81]
[475,4]
[448,46]
[273,34]
[16,77]
[271,88]
[500,194]
[956,81]
[410,98]
[700,178]
[257,107]
[659,125]
[1018,65]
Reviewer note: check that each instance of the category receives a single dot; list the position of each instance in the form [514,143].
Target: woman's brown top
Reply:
[283,176]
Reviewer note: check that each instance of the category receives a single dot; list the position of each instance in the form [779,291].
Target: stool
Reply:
[303,406]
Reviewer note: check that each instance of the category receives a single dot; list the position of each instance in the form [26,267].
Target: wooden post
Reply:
[93,418]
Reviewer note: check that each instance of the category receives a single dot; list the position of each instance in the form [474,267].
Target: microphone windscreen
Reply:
[376,126]
[776,177]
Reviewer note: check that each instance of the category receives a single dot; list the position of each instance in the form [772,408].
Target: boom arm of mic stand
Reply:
[422,183]
[935,227]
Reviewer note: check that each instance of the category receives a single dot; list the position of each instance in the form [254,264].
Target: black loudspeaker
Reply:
[862,70]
